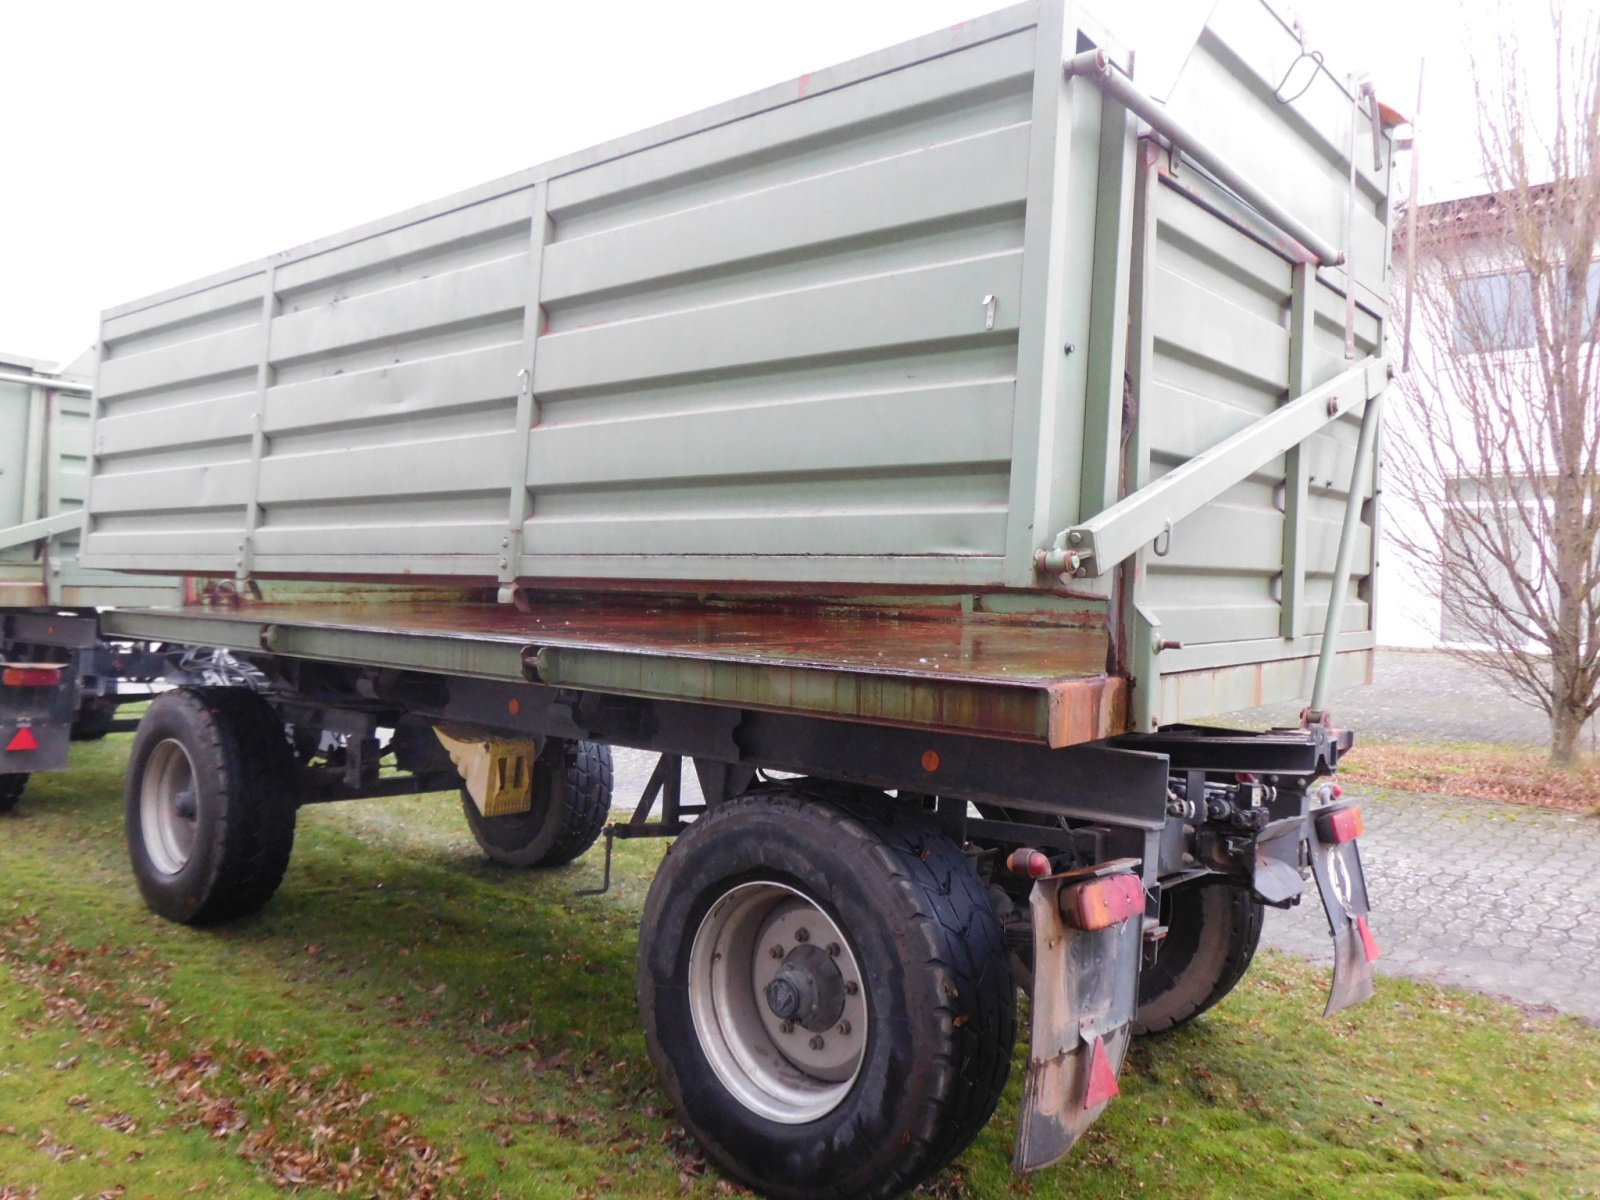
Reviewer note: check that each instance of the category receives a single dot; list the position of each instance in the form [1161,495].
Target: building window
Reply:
[1495,312]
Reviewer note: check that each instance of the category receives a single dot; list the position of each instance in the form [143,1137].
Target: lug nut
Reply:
[776,952]
[834,949]
[786,1027]
[802,934]
[844,1027]
[851,987]
[817,1043]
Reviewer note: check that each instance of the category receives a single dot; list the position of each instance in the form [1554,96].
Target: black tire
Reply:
[939,995]
[239,763]
[11,789]
[554,831]
[1213,929]
[94,719]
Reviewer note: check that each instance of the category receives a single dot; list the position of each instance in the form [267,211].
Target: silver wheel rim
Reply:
[787,1070]
[169,807]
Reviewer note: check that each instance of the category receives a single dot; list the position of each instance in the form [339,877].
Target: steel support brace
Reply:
[1099,544]
[49,383]
[1347,548]
[46,527]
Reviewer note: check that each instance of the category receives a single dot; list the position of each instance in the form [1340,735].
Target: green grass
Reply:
[405,1020]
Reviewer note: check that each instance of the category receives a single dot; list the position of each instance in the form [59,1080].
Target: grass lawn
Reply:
[404,1020]
[1514,774]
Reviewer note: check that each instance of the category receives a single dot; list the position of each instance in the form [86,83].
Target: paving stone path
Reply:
[1421,696]
[1498,897]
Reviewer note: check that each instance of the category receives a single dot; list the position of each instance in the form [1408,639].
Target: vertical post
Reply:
[34,469]
[245,565]
[1041,360]
[1350,233]
[1302,324]
[1136,628]
[527,402]
[1108,315]
[1347,545]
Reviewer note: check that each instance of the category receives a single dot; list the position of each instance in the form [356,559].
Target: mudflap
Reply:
[1085,992]
[1337,868]
[36,720]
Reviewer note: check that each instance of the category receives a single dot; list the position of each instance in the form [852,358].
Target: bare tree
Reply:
[1498,449]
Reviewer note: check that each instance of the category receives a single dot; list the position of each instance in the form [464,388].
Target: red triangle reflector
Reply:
[1368,942]
[1102,1078]
[24,740]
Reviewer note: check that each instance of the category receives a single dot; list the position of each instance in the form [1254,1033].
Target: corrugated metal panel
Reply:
[768,340]
[1224,352]
[773,341]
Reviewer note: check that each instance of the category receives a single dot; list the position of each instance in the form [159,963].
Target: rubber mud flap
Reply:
[1337,868]
[1085,994]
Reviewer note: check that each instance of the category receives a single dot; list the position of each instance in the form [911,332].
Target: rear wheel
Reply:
[209,813]
[556,828]
[1213,929]
[11,789]
[826,993]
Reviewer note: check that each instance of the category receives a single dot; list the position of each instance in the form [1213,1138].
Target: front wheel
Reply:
[11,789]
[209,813]
[826,993]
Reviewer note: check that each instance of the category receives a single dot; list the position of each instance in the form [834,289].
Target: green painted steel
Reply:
[44,452]
[902,324]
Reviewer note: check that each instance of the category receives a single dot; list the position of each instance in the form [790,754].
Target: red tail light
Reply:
[1345,825]
[31,676]
[1102,903]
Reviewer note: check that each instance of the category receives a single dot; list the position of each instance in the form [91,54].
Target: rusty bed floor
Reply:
[1025,681]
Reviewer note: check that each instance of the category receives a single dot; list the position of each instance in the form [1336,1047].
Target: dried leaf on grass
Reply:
[1511,774]
[328,1134]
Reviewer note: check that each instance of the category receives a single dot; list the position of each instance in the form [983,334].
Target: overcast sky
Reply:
[148,143]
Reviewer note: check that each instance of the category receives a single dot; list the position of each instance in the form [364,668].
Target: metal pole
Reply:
[47,381]
[1411,226]
[1347,549]
[1094,66]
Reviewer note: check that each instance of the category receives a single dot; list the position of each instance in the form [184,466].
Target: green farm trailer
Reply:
[914,451]
[59,680]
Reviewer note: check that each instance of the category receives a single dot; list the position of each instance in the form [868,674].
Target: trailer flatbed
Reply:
[1014,679]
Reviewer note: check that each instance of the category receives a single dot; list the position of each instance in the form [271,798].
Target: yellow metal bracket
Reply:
[498,772]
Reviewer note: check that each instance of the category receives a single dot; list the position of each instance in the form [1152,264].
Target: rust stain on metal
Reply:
[1032,679]
[1084,710]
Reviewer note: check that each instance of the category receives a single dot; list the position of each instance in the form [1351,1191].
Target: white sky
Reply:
[146,144]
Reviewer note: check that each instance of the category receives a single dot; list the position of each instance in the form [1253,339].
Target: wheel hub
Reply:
[169,807]
[808,989]
[778,1002]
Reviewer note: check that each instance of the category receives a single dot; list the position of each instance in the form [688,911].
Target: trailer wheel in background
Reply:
[11,789]
[826,993]
[208,807]
[94,719]
[1213,929]
[553,831]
